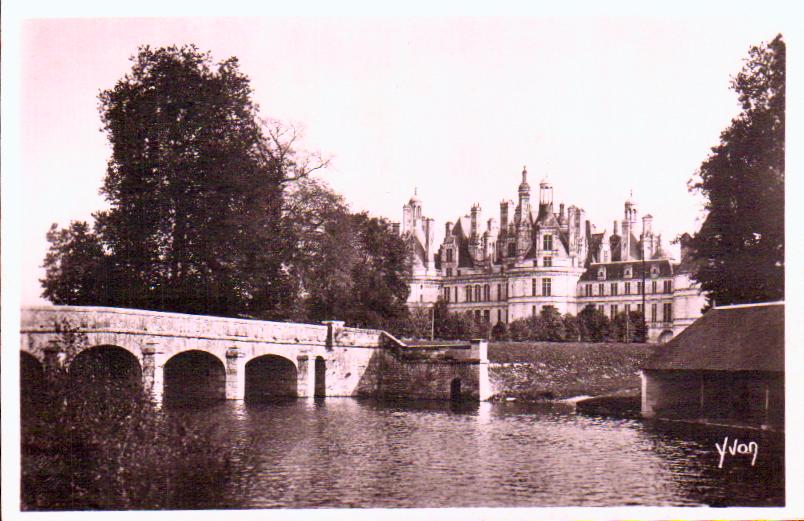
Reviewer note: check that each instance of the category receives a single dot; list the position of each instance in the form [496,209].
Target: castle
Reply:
[535,257]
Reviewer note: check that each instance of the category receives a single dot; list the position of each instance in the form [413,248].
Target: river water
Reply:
[344,452]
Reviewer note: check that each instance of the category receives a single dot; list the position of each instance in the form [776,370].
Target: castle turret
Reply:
[546,203]
[629,226]
[523,209]
[477,213]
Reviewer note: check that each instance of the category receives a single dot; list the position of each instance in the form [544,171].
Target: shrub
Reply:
[104,445]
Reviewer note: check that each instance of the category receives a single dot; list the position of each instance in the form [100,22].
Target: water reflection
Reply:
[356,453]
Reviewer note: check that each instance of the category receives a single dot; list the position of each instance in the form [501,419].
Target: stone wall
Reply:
[433,374]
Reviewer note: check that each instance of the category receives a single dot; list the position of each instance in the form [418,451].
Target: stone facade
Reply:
[533,257]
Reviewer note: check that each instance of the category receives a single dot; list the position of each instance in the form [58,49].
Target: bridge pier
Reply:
[306,377]
[153,381]
[235,374]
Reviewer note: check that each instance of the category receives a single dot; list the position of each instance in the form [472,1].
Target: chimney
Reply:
[615,229]
[647,224]
[448,229]
[475,218]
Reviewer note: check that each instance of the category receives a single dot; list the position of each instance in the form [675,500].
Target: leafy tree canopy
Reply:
[212,210]
[738,253]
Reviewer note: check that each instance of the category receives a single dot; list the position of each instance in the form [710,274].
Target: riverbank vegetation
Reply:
[549,370]
[590,325]
[92,440]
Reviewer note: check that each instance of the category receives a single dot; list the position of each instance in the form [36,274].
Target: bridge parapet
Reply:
[157,323]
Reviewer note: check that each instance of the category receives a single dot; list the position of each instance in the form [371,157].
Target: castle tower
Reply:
[629,227]
[647,238]
[411,213]
[545,201]
[477,213]
[523,209]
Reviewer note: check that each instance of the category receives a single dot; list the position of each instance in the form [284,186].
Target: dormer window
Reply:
[547,242]
[654,271]
[548,262]
[628,273]
[449,254]
[601,273]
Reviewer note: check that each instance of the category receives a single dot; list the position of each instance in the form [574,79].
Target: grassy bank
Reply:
[539,370]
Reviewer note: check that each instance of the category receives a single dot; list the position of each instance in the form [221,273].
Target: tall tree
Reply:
[739,250]
[347,266]
[77,271]
[195,185]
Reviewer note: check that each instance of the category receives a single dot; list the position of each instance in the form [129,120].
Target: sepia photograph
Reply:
[343,263]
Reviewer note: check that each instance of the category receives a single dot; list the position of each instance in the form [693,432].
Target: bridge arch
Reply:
[194,376]
[271,377]
[105,371]
[665,336]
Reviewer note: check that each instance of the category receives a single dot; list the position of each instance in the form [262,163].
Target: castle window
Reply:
[588,290]
[601,289]
[486,316]
[477,293]
[533,310]
[499,316]
[627,273]
[640,309]
[601,273]
[668,286]
[546,287]
[548,262]
[486,293]
[456,293]
[667,312]
[533,287]
[639,288]
[627,288]
[449,255]
[614,288]
[449,272]
[653,313]
[653,288]
[468,293]
[511,249]
[499,292]
[601,308]
[613,311]
[548,242]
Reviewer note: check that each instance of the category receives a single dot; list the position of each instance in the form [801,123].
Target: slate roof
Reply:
[730,338]
[615,270]
[462,241]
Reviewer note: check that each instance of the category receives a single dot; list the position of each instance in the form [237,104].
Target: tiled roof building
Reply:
[535,257]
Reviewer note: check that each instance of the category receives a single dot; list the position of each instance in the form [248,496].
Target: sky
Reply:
[454,107]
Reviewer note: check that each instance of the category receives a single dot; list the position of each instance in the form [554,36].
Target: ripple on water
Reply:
[352,453]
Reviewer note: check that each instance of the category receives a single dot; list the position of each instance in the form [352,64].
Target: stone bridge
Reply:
[178,356]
